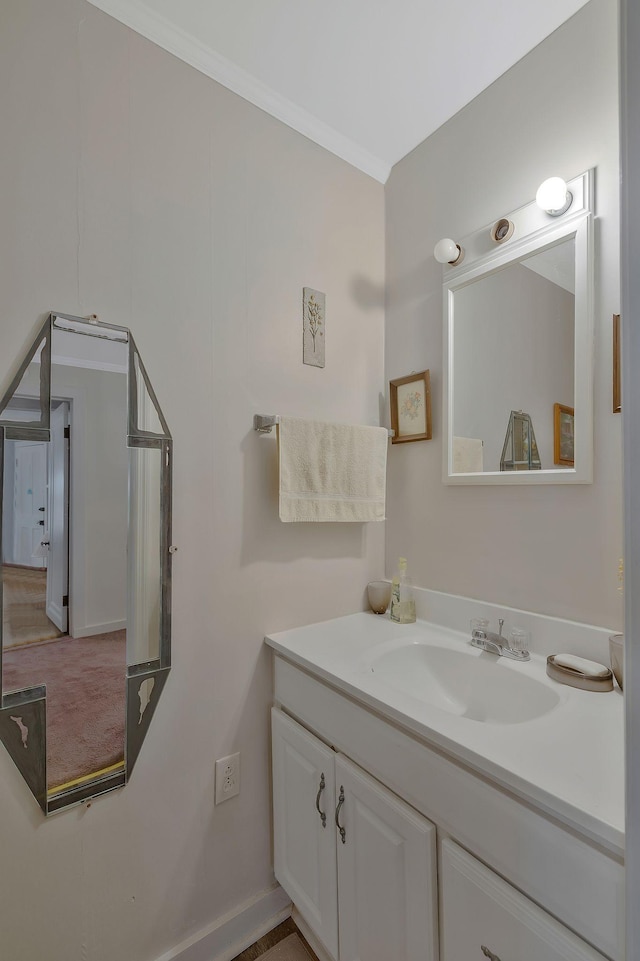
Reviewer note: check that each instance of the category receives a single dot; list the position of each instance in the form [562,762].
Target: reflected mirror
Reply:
[86,521]
[520,451]
[518,342]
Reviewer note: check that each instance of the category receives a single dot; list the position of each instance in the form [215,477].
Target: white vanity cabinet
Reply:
[516,870]
[305,853]
[358,863]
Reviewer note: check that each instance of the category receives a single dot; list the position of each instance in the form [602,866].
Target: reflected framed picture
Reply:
[563,454]
[410,400]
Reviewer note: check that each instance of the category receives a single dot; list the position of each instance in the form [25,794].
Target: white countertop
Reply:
[568,762]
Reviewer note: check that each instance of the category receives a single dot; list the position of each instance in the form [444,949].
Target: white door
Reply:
[29,501]
[304,840]
[387,881]
[58,520]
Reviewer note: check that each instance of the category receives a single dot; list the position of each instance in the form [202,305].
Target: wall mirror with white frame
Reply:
[518,338]
[85,574]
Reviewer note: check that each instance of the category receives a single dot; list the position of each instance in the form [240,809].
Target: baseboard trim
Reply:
[228,937]
[92,630]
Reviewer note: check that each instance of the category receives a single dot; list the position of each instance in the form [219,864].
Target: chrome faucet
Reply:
[496,643]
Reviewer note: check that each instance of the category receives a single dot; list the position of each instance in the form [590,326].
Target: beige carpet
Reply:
[290,949]
[86,688]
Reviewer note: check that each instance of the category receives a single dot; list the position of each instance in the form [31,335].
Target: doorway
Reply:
[35,533]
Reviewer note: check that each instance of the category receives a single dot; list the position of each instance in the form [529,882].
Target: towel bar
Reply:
[264,423]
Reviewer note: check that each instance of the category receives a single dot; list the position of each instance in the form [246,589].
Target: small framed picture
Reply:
[563,435]
[410,399]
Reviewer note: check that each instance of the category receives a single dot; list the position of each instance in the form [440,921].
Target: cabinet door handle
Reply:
[323,816]
[489,954]
[341,829]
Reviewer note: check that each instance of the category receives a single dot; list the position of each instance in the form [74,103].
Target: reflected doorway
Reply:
[50,634]
[35,533]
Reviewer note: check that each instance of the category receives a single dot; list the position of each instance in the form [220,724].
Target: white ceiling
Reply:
[367,79]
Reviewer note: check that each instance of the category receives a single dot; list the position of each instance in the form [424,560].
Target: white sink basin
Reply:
[469,683]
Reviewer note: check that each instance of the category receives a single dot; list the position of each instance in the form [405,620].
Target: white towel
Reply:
[331,472]
[467,455]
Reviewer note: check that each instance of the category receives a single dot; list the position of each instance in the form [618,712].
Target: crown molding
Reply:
[145,21]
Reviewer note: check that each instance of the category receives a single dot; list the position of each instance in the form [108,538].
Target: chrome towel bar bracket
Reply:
[264,423]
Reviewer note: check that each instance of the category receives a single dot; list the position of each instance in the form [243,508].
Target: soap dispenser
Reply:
[403,605]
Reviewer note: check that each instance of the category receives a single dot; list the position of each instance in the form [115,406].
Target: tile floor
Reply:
[284,943]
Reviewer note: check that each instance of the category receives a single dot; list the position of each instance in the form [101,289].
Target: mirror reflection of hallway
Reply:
[35,538]
[64,558]
[27,591]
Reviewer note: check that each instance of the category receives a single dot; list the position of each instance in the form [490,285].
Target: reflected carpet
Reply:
[85,680]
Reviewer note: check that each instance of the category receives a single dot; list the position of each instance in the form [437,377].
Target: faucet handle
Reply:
[519,640]
[479,624]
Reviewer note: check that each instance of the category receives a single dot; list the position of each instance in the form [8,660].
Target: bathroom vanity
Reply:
[433,802]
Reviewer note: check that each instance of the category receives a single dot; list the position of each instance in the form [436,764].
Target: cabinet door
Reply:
[386,874]
[304,840]
[484,917]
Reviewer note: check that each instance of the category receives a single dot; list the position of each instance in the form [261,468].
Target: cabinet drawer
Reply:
[484,917]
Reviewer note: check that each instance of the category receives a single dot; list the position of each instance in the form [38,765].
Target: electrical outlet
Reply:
[227,777]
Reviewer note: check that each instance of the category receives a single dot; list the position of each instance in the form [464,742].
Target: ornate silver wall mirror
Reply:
[85,481]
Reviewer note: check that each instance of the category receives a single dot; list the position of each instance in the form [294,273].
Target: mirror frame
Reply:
[534,231]
[31,702]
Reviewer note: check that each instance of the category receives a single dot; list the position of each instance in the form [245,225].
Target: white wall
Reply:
[630,238]
[549,549]
[135,188]
[8,489]
[143,556]
[102,515]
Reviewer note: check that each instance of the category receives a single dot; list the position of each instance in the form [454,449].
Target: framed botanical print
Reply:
[410,399]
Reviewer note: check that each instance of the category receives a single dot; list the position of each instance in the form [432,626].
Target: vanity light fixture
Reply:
[502,231]
[553,196]
[447,251]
